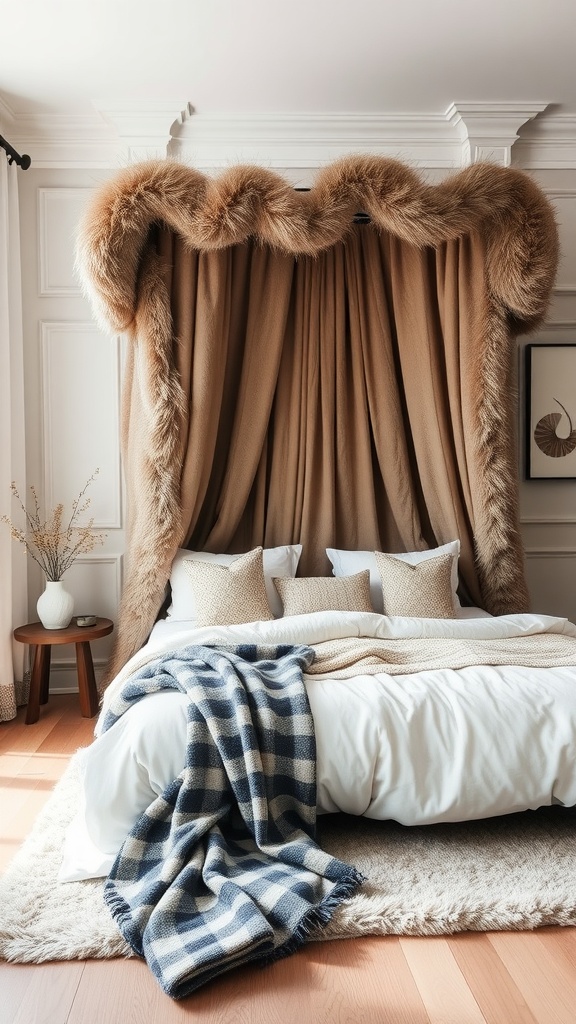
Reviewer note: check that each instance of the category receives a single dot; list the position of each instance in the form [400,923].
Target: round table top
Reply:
[35,633]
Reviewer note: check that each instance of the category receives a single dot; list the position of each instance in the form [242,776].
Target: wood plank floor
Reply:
[494,978]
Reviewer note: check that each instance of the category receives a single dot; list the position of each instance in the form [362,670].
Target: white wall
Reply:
[548,507]
[73,380]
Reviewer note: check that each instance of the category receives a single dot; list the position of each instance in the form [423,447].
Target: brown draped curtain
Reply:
[361,397]
[325,402]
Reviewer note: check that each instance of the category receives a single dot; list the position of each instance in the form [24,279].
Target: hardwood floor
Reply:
[472,978]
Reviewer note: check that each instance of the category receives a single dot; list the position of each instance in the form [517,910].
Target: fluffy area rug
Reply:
[516,872]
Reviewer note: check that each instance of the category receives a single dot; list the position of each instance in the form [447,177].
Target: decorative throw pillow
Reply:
[423,590]
[279,561]
[323,594]
[229,594]
[344,563]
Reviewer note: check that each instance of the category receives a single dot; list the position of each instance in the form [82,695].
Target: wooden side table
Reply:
[44,639]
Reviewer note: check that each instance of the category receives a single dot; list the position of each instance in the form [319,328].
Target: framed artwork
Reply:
[551,412]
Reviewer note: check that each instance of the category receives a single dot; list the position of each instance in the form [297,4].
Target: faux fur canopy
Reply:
[245,201]
[503,206]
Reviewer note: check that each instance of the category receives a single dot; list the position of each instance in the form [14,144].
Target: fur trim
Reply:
[248,201]
[120,276]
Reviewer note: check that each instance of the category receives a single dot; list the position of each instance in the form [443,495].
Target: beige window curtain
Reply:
[14,682]
[293,377]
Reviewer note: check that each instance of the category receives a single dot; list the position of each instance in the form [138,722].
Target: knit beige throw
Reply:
[351,656]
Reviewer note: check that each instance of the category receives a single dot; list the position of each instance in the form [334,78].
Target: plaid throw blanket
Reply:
[223,868]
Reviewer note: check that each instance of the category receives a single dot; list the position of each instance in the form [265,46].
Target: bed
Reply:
[489,728]
[263,700]
[293,375]
[222,740]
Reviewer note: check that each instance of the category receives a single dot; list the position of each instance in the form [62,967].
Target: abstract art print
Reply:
[551,412]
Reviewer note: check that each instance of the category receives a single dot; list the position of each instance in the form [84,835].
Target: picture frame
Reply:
[550,420]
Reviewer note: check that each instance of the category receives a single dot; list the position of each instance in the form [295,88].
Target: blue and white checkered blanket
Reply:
[223,867]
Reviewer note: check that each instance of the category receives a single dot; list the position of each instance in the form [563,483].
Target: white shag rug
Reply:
[516,872]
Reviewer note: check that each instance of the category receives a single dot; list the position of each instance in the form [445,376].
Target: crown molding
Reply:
[141,133]
[300,141]
[488,131]
[112,135]
[6,115]
[549,142]
[66,140]
[107,137]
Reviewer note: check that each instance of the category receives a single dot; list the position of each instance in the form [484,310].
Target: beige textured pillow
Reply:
[279,561]
[229,594]
[325,594]
[423,590]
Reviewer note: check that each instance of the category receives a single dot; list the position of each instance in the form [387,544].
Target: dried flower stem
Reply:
[53,547]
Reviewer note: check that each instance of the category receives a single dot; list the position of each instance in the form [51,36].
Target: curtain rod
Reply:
[23,161]
[359,218]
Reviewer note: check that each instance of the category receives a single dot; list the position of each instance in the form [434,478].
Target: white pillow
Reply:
[346,563]
[280,561]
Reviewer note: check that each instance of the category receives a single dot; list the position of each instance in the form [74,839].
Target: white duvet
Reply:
[436,746]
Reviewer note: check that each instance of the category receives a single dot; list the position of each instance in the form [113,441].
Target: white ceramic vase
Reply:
[55,606]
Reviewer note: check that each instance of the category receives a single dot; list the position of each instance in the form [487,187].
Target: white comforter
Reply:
[441,745]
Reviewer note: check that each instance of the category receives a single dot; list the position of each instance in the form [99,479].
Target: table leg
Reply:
[86,681]
[39,682]
[45,673]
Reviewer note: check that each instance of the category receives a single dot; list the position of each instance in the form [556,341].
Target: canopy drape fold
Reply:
[294,378]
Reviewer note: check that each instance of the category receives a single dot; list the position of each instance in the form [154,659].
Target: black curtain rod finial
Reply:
[359,218]
[23,161]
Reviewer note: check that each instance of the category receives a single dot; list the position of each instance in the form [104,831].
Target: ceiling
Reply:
[283,56]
